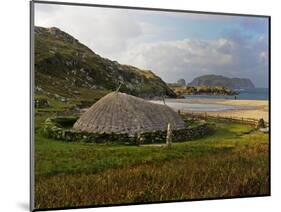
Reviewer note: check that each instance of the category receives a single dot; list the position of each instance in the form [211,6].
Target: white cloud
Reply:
[107,32]
[189,58]
[131,37]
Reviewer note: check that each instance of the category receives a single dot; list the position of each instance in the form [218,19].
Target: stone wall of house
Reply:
[60,128]
[185,134]
[57,128]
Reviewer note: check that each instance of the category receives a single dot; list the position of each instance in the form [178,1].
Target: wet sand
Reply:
[254,109]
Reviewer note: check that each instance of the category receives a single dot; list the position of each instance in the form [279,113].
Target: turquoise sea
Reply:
[249,94]
[194,107]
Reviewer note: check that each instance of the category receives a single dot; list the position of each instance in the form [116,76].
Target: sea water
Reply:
[189,107]
[247,94]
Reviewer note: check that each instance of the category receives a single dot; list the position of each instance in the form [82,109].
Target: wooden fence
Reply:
[205,115]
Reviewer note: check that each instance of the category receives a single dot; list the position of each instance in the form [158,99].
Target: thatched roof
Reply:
[120,112]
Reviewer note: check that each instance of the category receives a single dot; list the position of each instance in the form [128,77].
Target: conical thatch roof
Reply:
[120,112]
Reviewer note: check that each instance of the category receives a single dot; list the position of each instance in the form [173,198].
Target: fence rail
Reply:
[205,115]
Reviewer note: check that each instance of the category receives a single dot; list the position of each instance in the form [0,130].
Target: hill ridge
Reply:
[65,62]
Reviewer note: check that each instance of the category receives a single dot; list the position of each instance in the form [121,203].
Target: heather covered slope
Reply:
[66,67]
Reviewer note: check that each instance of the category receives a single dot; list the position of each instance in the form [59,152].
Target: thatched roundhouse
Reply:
[122,113]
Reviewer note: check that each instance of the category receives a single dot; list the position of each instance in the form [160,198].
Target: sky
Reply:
[172,45]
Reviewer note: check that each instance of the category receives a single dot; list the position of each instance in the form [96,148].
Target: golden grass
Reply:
[238,169]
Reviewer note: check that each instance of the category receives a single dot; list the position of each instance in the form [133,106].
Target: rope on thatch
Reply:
[117,90]
[163,98]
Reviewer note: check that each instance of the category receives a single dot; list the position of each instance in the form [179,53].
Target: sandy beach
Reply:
[254,109]
[260,109]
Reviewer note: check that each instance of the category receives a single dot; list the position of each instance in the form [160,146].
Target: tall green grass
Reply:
[231,162]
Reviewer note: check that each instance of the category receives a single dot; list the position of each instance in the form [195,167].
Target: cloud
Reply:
[195,16]
[105,31]
[173,45]
[234,56]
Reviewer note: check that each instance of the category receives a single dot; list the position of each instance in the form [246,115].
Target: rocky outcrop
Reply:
[41,103]
[181,82]
[204,90]
[218,80]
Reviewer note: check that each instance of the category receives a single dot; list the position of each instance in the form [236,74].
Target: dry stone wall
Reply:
[60,128]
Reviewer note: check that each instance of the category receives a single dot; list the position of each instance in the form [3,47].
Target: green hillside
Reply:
[65,68]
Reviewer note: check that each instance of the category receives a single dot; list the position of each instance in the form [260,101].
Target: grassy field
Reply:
[231,162]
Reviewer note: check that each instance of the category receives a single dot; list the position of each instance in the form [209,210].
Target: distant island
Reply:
[218,80]
[203,90]
[213,85]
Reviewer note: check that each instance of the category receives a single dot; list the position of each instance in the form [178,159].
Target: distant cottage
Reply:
[122,113]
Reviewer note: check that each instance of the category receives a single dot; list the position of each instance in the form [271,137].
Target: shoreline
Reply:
[253,109]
